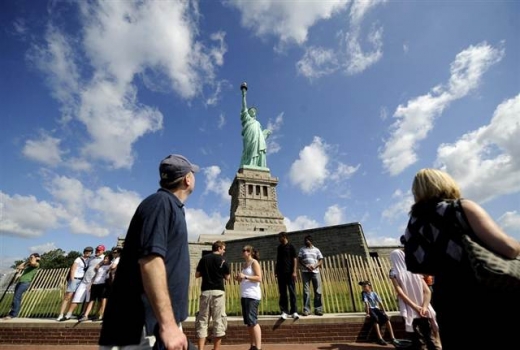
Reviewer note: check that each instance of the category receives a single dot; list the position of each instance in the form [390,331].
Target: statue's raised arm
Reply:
[254,152]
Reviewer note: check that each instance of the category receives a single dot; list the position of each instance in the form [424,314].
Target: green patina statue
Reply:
[255,149]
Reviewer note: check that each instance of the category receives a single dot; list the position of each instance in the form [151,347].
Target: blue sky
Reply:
[359,96]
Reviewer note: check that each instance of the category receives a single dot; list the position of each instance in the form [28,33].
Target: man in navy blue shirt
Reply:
[149,297]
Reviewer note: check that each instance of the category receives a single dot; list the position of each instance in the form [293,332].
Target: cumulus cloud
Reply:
[314,166]
[25,216]
[99,212]
[201,223]
[355,54]
[103,95]
[45,150]
[485,162]
[402,203]
[273,146]
[510,223]
[215,184]
[335,215]
[289,21]
[300,223]
[416,118]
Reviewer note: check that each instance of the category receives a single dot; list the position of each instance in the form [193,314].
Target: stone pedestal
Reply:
[254,204]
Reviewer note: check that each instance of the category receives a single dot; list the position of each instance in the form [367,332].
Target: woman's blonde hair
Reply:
[434,184]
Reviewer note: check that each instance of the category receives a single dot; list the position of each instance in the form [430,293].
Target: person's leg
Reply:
[306,278]
[218,314]
[316,285]
[292,295]
[257,336]
[87,311]
[202,319]
[282,291]
[65,304]
[378,330]
[21,287]
[390,329]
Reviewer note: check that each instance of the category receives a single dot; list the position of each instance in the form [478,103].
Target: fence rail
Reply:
[340,275]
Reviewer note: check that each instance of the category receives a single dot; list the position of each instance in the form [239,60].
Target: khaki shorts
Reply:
[212,304]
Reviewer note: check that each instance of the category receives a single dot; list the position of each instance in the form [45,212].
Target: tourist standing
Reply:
[28,270]
[285,273]
[250,278]
[310,259]
[75,275]
[82,294]
[457,295]
[213,270]
[149,297]
[98,289]
[414,304]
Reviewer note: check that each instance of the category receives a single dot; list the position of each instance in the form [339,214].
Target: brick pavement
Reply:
[316,346]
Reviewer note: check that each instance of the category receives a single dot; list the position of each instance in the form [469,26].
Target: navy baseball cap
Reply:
[176,166]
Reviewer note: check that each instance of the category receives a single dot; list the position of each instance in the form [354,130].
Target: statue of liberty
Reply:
[255,149]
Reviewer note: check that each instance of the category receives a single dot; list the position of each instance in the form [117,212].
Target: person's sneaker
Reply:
[60,318]
[295,316]
[396,342]
[283,316]
[319,313]
[83,319]
[305,313]
[381,341]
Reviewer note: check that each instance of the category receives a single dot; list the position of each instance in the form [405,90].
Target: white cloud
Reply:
[402,202]
[99,212]
[309,171]
[352,57]
[485,162]
[510,223]
[221,120]
[201,223]
[273,146]
[317,62]
[115,39]
[416,118]
[45,150]
[25,216]
[382,241]
[290,21]
[313,167]
[335,215]
[358,60]
[219,186]
[300,223]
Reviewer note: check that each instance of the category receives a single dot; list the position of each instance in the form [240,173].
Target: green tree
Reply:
[54,259]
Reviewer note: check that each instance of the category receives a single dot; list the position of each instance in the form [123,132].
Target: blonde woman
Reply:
[250,278]
[469,315]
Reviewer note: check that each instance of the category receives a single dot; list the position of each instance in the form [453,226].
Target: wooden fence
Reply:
[340,275]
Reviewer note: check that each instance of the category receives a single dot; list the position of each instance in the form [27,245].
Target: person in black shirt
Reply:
[285,272]
[212,303]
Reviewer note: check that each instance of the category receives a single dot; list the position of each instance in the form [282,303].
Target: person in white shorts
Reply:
[83,291]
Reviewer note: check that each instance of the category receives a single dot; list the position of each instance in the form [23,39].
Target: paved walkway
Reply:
[317,346]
